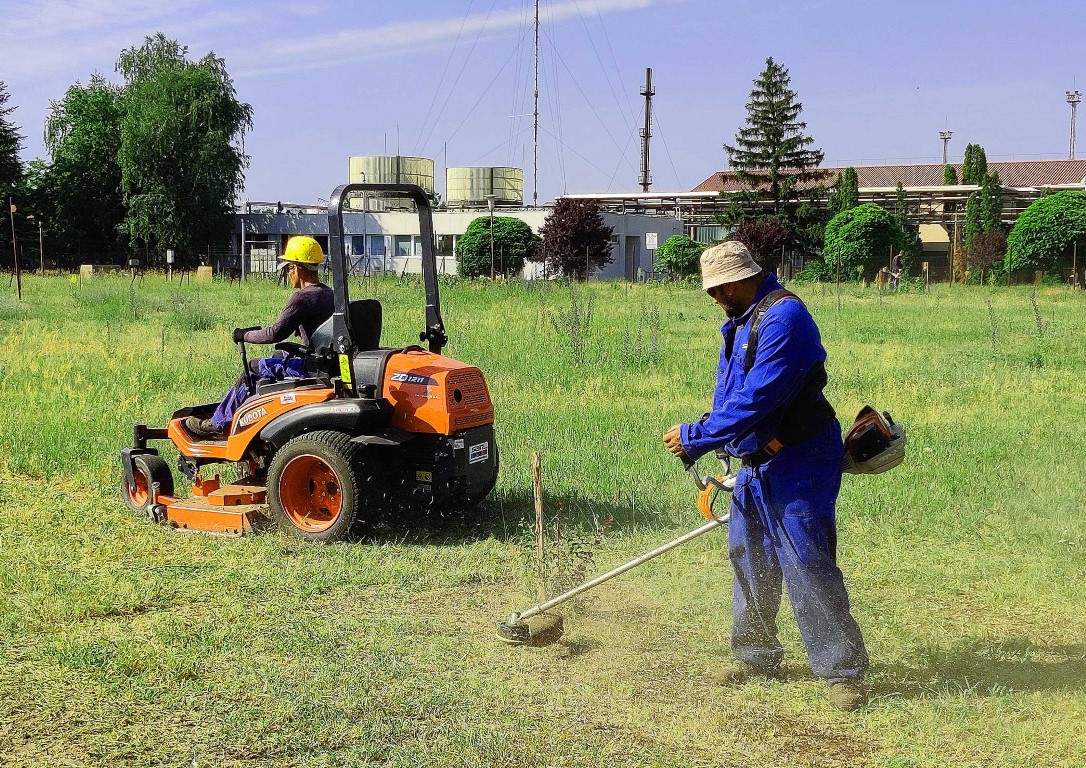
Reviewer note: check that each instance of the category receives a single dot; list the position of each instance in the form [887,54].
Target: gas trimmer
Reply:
[534,627]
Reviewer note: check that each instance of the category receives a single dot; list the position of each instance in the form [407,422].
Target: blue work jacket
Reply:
[748,407]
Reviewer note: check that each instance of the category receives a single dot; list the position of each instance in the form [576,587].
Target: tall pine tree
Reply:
[950,176]
[11,167]
[772,153]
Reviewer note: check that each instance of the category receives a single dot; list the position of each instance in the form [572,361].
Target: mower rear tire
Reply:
[317,486]
[148,469]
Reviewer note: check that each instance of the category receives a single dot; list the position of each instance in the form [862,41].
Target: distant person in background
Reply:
[308,307]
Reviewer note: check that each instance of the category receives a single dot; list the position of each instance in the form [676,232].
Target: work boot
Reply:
[741,672]
[203,428]
[847,695]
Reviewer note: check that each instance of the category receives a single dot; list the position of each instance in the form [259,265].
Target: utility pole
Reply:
[945,136]
[646,132]
[535,128]
[1073,98]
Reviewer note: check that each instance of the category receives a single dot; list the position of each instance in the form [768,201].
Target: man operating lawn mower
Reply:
[307,308]
[770,412]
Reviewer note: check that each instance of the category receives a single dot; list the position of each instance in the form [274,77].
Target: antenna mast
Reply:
[646,132]
[535,127]
[1073,98]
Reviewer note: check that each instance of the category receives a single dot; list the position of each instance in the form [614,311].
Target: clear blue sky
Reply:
[327,80]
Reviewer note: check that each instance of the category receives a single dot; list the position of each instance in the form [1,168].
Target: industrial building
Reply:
[938,209]
[382,237]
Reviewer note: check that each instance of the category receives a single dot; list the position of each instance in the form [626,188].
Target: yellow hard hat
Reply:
[304,250]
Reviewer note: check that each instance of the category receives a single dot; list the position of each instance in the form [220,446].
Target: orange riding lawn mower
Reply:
[368,429]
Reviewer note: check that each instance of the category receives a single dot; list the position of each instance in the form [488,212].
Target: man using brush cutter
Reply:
[769,411]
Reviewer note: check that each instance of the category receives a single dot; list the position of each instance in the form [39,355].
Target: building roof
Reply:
[1028,173]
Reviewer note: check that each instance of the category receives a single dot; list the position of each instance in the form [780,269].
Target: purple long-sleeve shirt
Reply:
[306,309]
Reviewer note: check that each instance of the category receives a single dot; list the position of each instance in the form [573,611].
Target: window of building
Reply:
[377,245]
[446,245]
[401,246]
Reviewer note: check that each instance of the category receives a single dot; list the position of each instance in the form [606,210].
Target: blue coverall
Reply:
[782,522]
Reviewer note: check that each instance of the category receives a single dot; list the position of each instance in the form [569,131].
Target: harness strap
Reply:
[808,412]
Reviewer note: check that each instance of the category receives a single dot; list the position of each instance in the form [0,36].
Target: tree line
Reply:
[153,162]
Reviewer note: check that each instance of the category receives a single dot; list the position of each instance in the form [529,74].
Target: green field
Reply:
[125,644]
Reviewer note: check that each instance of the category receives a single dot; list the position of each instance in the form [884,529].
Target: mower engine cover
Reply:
[874,444]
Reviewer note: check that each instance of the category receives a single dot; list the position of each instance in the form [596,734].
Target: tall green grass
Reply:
[127,644]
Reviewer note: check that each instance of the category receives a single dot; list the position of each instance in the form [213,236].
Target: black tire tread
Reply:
[155,470]
[338,443]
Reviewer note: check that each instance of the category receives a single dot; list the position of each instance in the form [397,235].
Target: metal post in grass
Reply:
[14,248]
[490,204]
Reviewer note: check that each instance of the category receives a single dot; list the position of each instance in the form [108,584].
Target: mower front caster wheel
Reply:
[316,486]
[148,470]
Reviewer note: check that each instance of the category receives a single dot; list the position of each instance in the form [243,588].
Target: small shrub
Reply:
[514,241]
[1045,233]
[814,271]
[859,240]
[679,255]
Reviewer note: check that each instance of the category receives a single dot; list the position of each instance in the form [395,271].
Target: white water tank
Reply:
[470,186]
[389,169]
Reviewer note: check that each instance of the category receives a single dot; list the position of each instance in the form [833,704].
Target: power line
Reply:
[571,149]
[587,101]
[603,68]
[452,89]
[482,95]
[614,61]
[557,118]
[441,81]
[667,150]
[618,165]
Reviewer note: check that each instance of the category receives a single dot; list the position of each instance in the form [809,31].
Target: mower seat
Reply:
[364,316]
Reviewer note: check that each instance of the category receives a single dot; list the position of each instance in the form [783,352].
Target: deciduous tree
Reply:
[514,241]
[180,156]
[81,188]
[974,164]
[766,239]
[1046,232]
[679,255]
[859,241]
[576,242]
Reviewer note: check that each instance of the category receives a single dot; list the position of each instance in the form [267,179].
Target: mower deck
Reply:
[198,514]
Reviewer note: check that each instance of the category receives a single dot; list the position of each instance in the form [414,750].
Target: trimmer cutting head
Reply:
[535,632]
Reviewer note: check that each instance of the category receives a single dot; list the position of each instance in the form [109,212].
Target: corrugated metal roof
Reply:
[1027,173]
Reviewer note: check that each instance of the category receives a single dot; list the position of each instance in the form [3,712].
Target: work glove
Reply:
[239,335]
[674,444]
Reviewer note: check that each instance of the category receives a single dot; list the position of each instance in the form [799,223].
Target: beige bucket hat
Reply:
[726,262]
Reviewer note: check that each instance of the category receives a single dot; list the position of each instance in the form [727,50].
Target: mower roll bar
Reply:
[434,331]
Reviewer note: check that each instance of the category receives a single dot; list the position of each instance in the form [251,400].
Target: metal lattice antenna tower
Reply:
[1073,98]
[535,125]
[945,136]
[646,133]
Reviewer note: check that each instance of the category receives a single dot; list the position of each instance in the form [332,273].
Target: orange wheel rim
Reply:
[311,493]
[138,493]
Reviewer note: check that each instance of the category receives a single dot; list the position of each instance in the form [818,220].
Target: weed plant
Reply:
[126,644]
